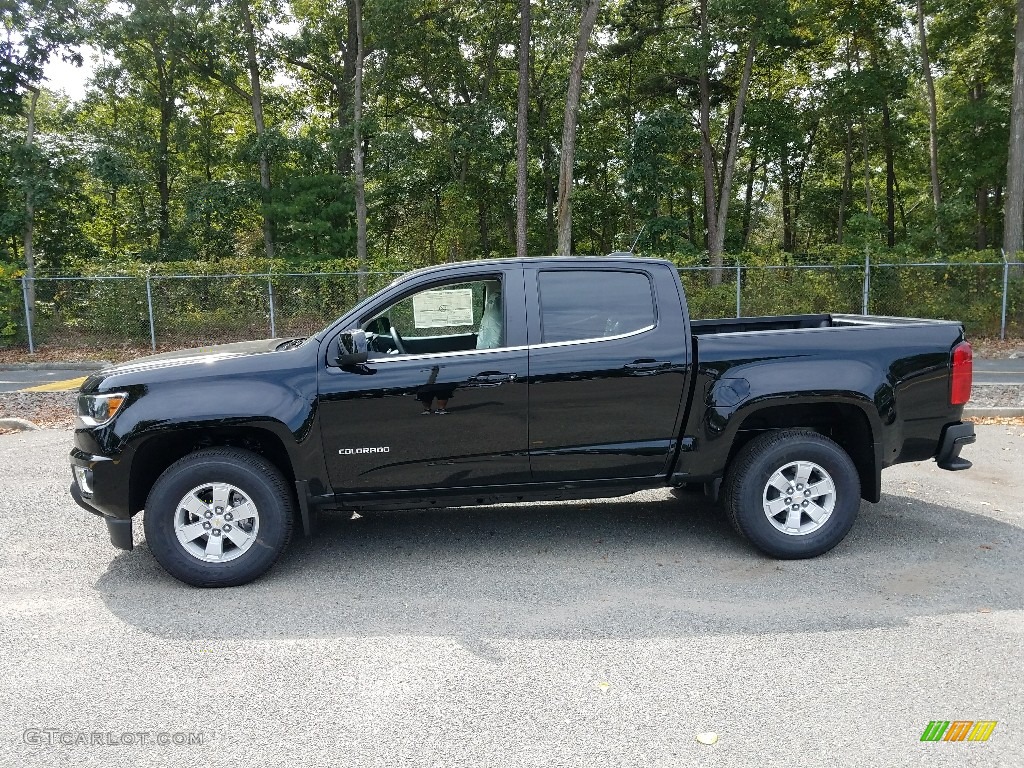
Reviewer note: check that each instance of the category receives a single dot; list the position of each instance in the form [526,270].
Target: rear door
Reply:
[609,366]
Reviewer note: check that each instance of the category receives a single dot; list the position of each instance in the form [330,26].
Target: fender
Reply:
[733,396]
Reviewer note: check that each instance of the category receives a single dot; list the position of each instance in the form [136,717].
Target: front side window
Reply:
[584,304]
[443,318]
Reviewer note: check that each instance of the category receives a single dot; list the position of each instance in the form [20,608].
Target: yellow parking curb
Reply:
[57,386]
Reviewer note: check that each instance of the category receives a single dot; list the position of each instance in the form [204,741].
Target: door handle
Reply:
[646,366]
[491,379]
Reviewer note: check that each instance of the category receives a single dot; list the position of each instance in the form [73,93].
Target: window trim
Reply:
[436,355]
[592,339]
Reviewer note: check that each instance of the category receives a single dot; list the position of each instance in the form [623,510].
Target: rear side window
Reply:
[592,304]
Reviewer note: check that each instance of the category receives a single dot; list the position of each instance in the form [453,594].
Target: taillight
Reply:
[963,373]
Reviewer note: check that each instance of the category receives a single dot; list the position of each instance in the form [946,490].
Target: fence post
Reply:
[270,295]
[867,281]
[739,285]
[1006,284]
[149,304]
[28,315]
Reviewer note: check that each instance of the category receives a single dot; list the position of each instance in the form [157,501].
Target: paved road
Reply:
[999,371]
[12,381]
[605,633]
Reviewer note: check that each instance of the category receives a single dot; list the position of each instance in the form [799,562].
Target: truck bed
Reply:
[798,322]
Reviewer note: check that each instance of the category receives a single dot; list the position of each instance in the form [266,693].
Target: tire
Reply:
[807,523]
[206,544]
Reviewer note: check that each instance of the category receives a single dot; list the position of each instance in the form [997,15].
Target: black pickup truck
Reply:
[511,381]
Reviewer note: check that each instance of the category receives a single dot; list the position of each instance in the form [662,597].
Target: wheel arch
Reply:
[847,423]
[152,457]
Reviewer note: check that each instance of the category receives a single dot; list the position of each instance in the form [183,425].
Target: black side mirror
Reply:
[352,347]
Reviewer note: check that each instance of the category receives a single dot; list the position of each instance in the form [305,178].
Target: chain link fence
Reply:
[175,311]
[987,297]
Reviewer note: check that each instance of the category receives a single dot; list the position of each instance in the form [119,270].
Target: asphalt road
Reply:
[999,371]
[14,380]
[568,634]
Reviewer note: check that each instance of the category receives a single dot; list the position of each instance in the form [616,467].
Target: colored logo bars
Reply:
[958,730]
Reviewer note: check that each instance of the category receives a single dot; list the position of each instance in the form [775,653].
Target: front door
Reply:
[442,401]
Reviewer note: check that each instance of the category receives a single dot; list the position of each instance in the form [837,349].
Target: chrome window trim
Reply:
[436,355]
[522,348]
[593,339]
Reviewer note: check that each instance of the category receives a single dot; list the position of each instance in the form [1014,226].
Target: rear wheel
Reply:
[793,493]
[219,517]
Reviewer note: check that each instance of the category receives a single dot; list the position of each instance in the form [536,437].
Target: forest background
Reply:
[376,136]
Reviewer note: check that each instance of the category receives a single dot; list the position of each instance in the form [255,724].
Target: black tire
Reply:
[254,479]
[747,488]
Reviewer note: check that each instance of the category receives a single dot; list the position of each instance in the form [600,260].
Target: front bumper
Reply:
[954,437]
[105,494]
[120,529]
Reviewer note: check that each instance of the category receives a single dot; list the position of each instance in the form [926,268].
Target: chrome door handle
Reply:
[646,366]
[491,379]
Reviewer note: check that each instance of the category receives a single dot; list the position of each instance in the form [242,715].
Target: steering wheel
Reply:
[397,338]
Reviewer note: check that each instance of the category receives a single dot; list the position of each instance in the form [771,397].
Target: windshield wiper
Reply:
[290,343]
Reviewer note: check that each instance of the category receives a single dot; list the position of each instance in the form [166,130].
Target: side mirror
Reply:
[352,347]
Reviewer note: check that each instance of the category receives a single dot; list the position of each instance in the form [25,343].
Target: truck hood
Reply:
[197,355]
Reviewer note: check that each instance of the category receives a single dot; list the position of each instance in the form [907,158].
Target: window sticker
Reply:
[442,309]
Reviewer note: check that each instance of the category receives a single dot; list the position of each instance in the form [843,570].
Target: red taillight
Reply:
[963,373]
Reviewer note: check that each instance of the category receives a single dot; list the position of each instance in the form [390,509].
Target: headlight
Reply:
[99,409]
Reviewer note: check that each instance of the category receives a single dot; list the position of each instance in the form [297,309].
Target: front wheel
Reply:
[793,493]
[219,517]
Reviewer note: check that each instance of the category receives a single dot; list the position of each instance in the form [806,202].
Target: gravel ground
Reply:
[45,409]
[564,634]
[996,396]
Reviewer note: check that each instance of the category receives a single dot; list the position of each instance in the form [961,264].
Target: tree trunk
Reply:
[257,117]
[748,196]
[981,225]
[890,177]
[706,149]
[483,217]
[549,203]
[691,217]
[867,165]
[1013,224]
[997,205]
[845,193]
[788,235]
[521,127]
[572,106]
[29,231]
[114,125]
[207,159]
[348,63]
[357,154]
[729,163]
[798,186]
[162,167]
[933,125]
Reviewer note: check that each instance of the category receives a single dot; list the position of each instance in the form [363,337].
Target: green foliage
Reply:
[156,168]
[12,318]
